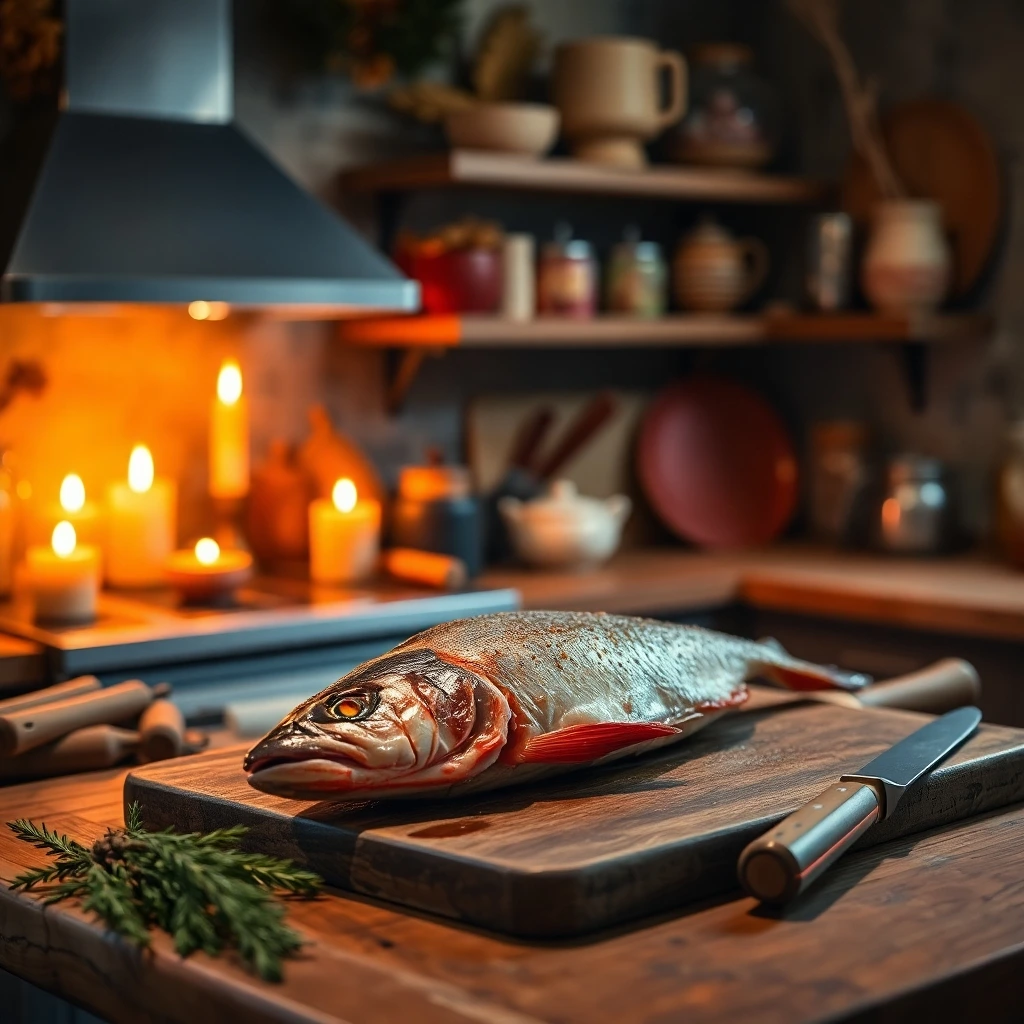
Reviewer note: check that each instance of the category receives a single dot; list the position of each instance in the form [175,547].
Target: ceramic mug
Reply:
[608,92]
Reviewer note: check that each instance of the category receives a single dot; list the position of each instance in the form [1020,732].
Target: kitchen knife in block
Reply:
[948,684]
[32,727]
[786,860]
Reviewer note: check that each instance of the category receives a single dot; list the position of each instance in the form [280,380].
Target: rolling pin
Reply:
[426,568]
[85,750]
[72,688]
[27,729]
[161,731]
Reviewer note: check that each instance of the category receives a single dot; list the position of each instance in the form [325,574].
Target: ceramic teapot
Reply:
[563,529]
[714,272]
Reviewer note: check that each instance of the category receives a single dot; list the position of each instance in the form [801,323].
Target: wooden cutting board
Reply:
[591,848]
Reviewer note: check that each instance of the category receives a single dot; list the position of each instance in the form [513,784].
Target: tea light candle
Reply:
[229,436]
[344,536]
[73,507]
[141,524]
[206,572]
[63,578]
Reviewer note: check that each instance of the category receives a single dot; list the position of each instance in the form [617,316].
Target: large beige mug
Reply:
[608,92]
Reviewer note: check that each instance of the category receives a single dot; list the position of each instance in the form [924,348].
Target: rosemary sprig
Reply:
[199,888]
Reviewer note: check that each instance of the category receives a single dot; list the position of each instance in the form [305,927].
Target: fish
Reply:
[512,697]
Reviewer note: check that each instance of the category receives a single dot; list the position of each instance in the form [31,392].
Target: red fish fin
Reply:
[812,677]
[581,743]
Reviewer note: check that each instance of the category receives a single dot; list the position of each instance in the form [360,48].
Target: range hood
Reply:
[148,193]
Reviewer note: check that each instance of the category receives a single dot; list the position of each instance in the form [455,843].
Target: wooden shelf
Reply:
[478,169]
[683,330]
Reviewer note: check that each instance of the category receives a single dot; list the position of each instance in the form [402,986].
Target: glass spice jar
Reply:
[567,277]
[637,278]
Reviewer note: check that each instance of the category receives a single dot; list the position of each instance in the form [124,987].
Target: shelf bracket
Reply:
[404,376]
[914,359]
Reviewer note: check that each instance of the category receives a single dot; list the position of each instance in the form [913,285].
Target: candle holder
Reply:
[228,530]
[208,575]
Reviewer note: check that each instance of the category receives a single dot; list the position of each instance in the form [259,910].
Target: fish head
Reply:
[390,720]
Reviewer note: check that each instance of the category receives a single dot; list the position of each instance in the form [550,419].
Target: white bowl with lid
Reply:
[563,529]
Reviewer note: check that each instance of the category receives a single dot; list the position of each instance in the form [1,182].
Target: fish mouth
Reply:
[255,764]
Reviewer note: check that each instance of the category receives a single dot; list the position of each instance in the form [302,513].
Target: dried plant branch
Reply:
[860,98]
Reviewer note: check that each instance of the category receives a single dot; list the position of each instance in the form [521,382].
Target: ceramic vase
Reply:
[907,262]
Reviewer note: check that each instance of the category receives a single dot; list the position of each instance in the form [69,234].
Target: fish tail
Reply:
[791,673]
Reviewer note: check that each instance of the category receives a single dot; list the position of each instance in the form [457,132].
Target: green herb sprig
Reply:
[201,889]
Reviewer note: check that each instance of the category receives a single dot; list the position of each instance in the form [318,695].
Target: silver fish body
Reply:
[501,699]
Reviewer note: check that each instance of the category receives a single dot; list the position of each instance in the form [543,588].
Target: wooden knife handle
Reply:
[32,727]
[788,858]
[591,418]
[72,688]
[948,684]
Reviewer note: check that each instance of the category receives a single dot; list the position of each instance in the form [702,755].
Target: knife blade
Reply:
[782,863]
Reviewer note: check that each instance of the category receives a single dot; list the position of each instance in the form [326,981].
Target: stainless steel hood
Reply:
[148,193]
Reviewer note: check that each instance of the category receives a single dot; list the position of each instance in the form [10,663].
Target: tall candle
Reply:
[141,520]
[344,536]
[63,578]
[229,436]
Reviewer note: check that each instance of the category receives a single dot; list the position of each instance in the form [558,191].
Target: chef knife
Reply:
[783,862]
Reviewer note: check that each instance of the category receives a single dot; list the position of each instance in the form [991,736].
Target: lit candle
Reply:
[63,578]
[141,524]
[205,572]
[344,536]
[73,507]
[229,436]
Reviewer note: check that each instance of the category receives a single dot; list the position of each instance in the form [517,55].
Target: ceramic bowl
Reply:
[529,129]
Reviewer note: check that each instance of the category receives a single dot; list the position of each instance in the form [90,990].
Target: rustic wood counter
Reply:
[927,928]
[966,595]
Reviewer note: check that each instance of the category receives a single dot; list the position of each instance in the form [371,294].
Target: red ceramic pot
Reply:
[458,280]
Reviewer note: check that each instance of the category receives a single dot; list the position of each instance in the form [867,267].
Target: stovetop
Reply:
[142,628]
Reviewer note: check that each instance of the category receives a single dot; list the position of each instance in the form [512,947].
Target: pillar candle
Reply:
[229,436]
[63,578]
[141,525]
[74,507]
[344,536]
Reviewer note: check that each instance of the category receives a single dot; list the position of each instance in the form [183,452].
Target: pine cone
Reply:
[112,848]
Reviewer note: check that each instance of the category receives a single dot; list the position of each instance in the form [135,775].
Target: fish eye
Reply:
[353,706]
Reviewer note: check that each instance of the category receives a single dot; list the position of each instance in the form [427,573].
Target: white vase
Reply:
[906,266]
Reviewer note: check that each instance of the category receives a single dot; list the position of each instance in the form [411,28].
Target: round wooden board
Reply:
[940,152]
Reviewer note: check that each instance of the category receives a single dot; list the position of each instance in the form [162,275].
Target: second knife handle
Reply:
[785,860]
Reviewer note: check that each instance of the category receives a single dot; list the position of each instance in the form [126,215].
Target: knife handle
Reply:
[783,862]
[948,684]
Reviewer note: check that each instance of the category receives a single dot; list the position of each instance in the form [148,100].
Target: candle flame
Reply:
[64,539]
[203,310]
[229,383]
[344,495]
[207,551]
[140,469]
[72,493]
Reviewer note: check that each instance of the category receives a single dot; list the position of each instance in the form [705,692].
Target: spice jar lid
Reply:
[433,483]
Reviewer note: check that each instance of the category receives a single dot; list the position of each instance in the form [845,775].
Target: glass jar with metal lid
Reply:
[916,513]
[636,278]
[567,277]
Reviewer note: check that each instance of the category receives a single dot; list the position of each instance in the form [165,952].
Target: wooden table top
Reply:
[967,594]
[923,928]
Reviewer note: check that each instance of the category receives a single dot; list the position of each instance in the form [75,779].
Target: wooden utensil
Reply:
[84,750]
[940,152]
[578,434]
[161,731]
[529,436]
[72,688]
[29,728]
[948,684]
